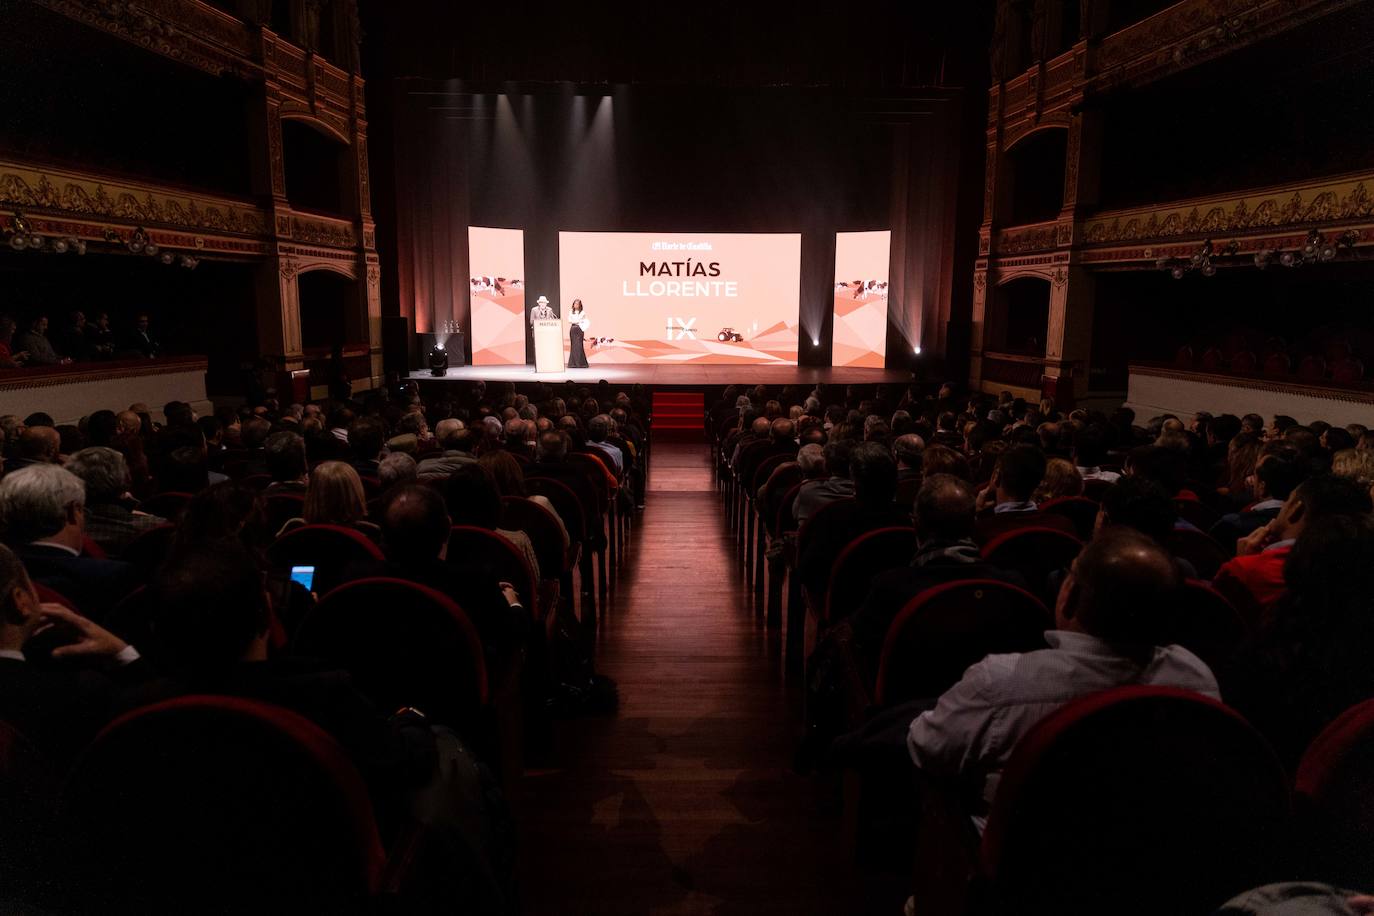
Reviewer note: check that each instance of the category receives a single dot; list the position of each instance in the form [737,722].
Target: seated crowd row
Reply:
[113,603]
[1071,554]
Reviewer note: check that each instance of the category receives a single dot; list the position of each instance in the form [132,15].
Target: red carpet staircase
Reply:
[678,415]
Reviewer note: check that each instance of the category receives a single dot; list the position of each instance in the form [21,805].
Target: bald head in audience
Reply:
[1118,588]
[944,509]
[39,444]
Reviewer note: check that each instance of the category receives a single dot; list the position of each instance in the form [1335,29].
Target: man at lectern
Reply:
[541,310]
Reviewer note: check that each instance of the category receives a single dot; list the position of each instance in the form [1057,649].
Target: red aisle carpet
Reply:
[684,803]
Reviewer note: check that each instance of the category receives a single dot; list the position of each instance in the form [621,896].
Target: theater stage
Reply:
[677,376]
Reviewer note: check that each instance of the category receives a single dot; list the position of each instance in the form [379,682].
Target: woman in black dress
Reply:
[577,329]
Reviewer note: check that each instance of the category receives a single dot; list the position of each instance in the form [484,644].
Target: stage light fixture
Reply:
[815,343]
[916,349]
[438,361]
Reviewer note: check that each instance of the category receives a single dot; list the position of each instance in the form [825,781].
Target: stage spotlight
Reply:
[815,343]
[916,350]
[438,361]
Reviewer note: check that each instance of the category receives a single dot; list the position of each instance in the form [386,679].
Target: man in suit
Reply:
[1008,501]
[59,709]
[43,508]
[945,552]
[140,340]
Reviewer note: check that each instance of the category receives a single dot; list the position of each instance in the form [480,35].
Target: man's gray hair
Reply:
[104,472]
[447,432]
[396,468]
[811,458]
[34,501]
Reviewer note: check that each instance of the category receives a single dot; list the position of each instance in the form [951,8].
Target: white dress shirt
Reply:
[972,731]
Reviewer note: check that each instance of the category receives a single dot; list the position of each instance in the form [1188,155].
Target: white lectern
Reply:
[548,345]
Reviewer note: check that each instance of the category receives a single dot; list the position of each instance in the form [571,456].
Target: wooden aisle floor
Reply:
[684,802]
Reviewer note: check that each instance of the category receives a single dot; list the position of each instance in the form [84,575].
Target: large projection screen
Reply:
[860,328]
[496,261]
[682,297]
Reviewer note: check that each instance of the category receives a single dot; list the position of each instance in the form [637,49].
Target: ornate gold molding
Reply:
[1033,237]
[80,194]
[322,230]
[194,33]
[20,379]
[1192,31]
[1319,202]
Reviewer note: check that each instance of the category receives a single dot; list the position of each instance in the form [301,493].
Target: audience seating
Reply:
[282,507]
[1198,548]
[422,651]
[1095,489]
[337,553]
[1035,553]
[1135,802]
[1335,798]
[521,514]
[257,481]
[1197,513]
[1205,623]
[852,573]
[228,803]
[945,629]
[167,505]
[1077,509]
[149,549]
[470,544]
[28,794]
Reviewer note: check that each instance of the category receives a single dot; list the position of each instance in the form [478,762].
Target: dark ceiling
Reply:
[861,45]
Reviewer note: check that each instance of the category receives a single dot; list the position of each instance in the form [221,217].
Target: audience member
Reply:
[113,520]
[1103,638]
[335,496]
[1254,580]
[57,707]
[943,513]
[43,513]
[1008,502]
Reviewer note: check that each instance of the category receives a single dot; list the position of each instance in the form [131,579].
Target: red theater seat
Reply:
[335,551]
[1078,509]
[1156,790]
[853,571]
[945,629]
[1034,553]
[405,645]
[238,804]
[1199,549]
[498,556]
[1335,787]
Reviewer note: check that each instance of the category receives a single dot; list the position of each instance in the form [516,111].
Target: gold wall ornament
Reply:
[62,191]
[1320,201]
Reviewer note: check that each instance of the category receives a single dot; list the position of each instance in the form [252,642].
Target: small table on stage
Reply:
[548,345]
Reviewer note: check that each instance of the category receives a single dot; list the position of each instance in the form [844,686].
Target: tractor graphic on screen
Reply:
[730,335]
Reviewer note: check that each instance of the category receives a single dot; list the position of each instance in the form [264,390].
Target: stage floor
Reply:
[678,375]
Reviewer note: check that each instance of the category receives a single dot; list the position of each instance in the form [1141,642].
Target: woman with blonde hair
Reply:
[335,497]
[1061,479]
[1355,464]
